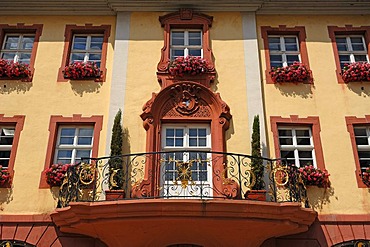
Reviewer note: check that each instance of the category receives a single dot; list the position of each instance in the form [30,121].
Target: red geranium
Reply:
[10,69]
[55,174]
[366,176]
[315,176]
[5,177]
[359,71]
[82,70]
[188,65]
[297,72]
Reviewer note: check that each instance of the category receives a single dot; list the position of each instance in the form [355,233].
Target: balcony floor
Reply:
[162,222]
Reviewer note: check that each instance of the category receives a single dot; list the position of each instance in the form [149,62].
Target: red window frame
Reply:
[24,29]
[70,31]
[347,30]
[18,122]
[298,31]
[55,123]
[311,121]
[352,121]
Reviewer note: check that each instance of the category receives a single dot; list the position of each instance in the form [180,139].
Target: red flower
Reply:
[55,174]
[9,69]
[359,71]
[297,72]
[82,70]
[315,176]
[189,65]
[5,177]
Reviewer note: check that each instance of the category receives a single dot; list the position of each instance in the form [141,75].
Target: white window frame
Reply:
[17,51]
[283,52]
[75,145]
[186,45]
[7,147]
[350,51]
[169,184]
[295,147]
[88,49]
[363,147]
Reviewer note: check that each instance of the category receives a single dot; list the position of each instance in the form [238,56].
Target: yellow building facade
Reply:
[185,174]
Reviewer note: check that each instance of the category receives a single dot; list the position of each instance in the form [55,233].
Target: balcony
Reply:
[172,195]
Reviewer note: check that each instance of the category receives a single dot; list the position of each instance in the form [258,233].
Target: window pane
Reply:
[292,58]
[303,141]
[364,164]
[4,163]
[11,42]
[84,141]
[86,132]
[179,142]
[5,154]
[8,56]
[96,46]
[77,57]
[80,39]
[170,142]
[287,154]
[27,43]
[177,53]
[285,141]
[274,44]
[276,64]
[364,154]
[302,133]
[197,52]
[94,57]
[178,42]
[177,34]
[25,58]
[305,154]
[79,46]
[193,142]
[195,34]
[362,141]
[66,140]
[179,132]
[360,131]
[290,40]
[196,42]
[360,58]
[202,132]
[192,132]
[202,142]
[68,131]
[358,47]
[170,132]
[62,154]
[285,132]
[305,162]
[82,154]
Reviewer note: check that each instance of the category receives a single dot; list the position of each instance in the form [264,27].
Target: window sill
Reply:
[20,79]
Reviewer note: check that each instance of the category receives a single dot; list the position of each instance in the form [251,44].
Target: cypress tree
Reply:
[256,160]
[115,163]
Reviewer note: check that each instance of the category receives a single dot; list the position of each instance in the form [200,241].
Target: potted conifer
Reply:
[115,191]
[257,191]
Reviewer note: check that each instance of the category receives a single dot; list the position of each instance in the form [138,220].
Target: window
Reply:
[19,43]
[351,49]
[284,50]
[362,137]
[283,46]
[85,43]
[74,143]
[185,43]
[350,44]
[177,139]
[87,48]
[296,145]
[18,47]
[70,139]
[298,140]
[6,141]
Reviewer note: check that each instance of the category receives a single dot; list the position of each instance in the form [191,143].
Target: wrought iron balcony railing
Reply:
[187,174]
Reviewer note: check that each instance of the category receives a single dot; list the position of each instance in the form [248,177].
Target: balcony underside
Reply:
[161,222]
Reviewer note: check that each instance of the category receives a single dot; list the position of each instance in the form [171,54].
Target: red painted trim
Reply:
[351,121]
[347,30]
[87,29]
[18,218]
[327,218]
[184,19]
[21,28]
[300,31]
[18,122]
[294,120]
[216,113]
[55,122]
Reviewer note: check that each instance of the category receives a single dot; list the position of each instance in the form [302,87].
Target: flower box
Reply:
[297,72]
[359,71]
[189,65]
[5,177]
[366,177]
[55,174]
[10,70]
[82,71]
[312,176]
